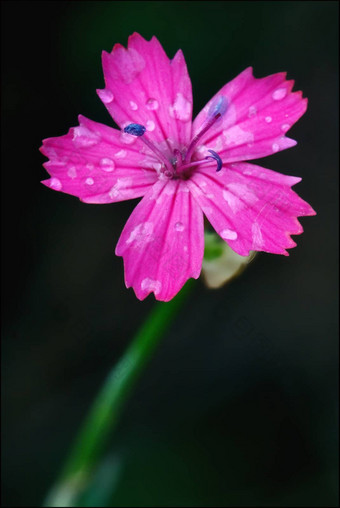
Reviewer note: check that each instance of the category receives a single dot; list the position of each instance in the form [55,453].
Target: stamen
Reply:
[213,156]
[135,129]
[217,158]
[216,111]
[218,106]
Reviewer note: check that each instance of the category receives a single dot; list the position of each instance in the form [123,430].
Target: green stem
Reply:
[107,407]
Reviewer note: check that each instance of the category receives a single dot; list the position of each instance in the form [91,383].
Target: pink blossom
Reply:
[182,169]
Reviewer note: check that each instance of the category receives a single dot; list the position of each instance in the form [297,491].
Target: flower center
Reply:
[180,164]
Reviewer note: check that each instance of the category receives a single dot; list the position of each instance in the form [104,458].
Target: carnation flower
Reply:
[183,169]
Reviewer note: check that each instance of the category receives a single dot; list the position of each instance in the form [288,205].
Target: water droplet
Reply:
[89,181]
[72,172]
[83,137]
[150,164]
[279,94]
[252,111]
[219,144]
[181,108]
[237,136]
[114,192]
[233,201]
[90,166]
[57,163]
[285,127]
[121,187]
[107,164]
[55,184]
[141,234]
[150,125]
[133,106]
[151,285]
[126,138]
[121,154]
[157,166]
[275,147]
[129,63]
[228,234]
[257,236]
[179,226]
[152,104]
[268,119]
[202,150]
[106,96]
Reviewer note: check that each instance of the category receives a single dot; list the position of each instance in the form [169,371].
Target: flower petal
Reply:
[250,207]
[162,242]
[259,113]
[92,163]
[143,86]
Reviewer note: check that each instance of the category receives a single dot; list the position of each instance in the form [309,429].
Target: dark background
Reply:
[239,404]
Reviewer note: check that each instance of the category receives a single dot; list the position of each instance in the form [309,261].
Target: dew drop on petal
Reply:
[252,111]
[219,144]
[151,285]
[114,192]
[89,181]
[233,201]
[58,163]
[152,104]
[83,137]
[275,147]
[279,94]
[248,172]
[285,127]
[181,108]
[55,184]
[141,234]
[257,236]
[129,63]
[90,166]
[72,172]
[121,187]
[228,234]
[126,138]
[179,226]
[157,166]
[268,119]
[121,154]
[133,106]
[202,150]
[150,125]
[106,96]
[107,164]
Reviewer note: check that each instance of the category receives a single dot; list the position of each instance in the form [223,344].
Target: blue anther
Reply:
[135,129]
[217,158]
[218,107]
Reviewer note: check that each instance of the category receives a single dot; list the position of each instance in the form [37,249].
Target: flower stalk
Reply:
[105,412]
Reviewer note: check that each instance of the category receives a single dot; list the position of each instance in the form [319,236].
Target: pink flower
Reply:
[182,168]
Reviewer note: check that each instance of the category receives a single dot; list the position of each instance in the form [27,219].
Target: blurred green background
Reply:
[239,405]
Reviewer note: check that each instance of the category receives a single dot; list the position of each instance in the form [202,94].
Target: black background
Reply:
[239,404]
